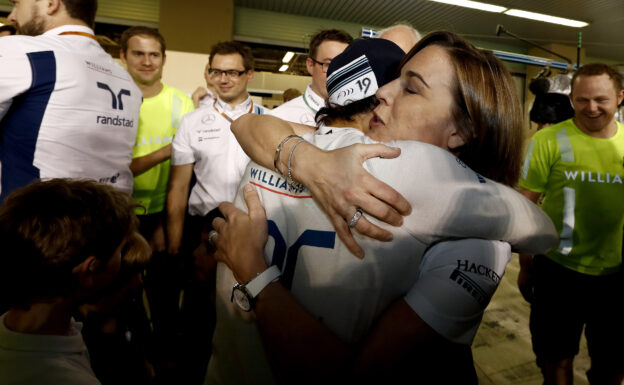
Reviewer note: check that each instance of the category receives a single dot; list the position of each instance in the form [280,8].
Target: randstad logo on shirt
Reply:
[115,121]
[592,177]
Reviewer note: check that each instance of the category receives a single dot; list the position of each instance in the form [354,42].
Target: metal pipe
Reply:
[578,50]
[500,29]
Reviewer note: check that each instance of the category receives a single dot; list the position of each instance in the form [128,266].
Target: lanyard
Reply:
[227,117]
[79,34]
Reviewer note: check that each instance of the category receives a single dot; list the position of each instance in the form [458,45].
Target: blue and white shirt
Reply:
[447,282]
[67,110]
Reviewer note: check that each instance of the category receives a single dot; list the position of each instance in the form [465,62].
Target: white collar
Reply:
[69,28]
[312,99]
[72,343]
[244,106]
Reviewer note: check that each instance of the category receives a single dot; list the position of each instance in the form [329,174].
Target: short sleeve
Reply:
[538,162]
[456,281]
[181,150]
[16,74]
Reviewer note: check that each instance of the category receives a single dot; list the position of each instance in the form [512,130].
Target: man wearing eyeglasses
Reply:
[205,146]
[324,46]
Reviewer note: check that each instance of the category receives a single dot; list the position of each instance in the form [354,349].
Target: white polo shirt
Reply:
[301,109]
[39,359]
[205,139]
[67,109]
[448,285]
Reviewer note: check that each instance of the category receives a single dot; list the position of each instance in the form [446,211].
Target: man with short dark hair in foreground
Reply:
[63,242]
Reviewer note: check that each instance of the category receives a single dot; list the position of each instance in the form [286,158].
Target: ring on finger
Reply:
[355,218]
[211,235]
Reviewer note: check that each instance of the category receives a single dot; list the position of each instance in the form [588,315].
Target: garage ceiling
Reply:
[603,38]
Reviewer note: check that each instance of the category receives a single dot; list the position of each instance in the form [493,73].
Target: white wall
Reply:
[184,70]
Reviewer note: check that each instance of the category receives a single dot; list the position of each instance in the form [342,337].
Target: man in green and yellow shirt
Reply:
[578,165]
[143,52]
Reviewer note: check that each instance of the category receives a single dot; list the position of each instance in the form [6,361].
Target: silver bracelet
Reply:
[292,186]
[278,151]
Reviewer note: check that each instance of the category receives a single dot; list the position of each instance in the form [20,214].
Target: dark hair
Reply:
[486,109]
[333,112]
[140,30]
[290,94]
[233,47]
[82,10]
[551,108]
[135,258]
[596,69]
[48,228]
[327,35]
[8,27]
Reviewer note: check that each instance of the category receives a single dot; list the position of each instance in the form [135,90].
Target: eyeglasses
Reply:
[232,74]
[324,66]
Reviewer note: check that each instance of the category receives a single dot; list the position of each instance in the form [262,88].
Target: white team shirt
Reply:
[448,199]
[301,109]
[454,284]
[205,139]
[207,100]
[67,109]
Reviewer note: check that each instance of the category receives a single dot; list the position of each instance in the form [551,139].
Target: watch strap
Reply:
[255,286]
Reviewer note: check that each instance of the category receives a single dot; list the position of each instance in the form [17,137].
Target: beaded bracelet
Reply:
[292,185]
[278,151]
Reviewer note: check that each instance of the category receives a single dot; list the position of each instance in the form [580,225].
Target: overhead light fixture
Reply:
[546,18]
[283,68]
[474,5]
[288,57]
[515,12]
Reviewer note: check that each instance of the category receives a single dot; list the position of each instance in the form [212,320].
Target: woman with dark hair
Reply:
[411,306]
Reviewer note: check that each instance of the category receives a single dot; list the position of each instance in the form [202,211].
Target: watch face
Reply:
[241,298]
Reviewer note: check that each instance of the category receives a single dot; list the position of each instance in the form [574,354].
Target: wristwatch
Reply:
[245,294]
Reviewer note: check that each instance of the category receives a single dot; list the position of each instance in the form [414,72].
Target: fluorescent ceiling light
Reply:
[288,57]
[546,18]
[474,5]
[283,68]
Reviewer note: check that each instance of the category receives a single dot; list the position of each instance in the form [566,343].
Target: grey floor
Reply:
[502,347]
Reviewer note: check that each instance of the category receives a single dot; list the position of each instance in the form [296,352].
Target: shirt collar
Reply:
[69,28]
[313,100]
[72,343]
[226,107]
[236,111]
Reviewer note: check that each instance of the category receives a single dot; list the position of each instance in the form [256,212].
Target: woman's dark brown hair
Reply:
[486,109]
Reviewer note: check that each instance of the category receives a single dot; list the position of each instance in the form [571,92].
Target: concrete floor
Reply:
[502,347]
